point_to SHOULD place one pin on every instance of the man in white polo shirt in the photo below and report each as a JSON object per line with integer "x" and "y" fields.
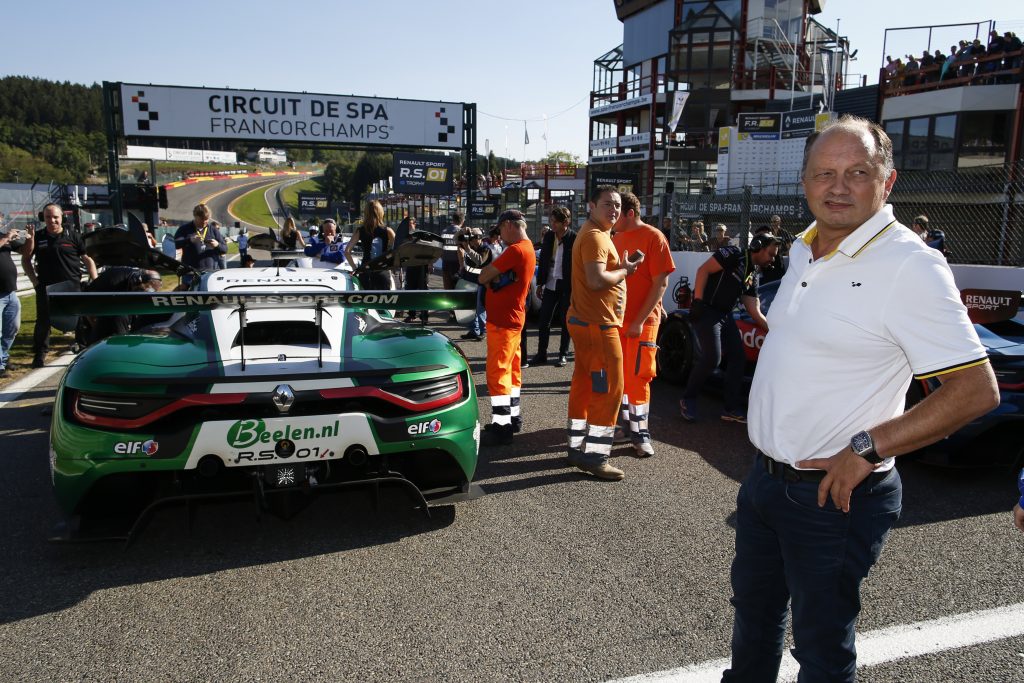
{"x": 864, "y": 307}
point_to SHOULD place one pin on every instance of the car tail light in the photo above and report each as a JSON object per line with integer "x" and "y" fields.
{"x": 422, "y": 395}
{"x": 133, "y": 412}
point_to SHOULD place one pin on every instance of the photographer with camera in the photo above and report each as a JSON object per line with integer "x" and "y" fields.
{"x": 200, "y": 241}
{"x": 728, "y": 276}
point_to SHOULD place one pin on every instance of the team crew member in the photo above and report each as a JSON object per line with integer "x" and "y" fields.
{"x": 554, "y": 277}
{"x": 726, "y": 277}
{"x": 474, "y": 257}
{"x": 116, "y": 279}
{"x": 59, "y": 256}
{"x": 639, "y": 332}
{"x": 595, "y": 314}
{"x": 201, "y": 244}
{"x": 508, "y": 277}
{"x": 864, "y": 307}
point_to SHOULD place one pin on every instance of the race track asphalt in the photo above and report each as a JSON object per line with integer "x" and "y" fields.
{"x": 552, "y": 576}
{"x": 218, "y": 195}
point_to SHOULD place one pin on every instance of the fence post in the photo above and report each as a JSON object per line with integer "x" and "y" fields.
{"x": 744, "y": 236}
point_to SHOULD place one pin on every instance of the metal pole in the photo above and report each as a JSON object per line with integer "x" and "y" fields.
{"x": 111, "y": 91}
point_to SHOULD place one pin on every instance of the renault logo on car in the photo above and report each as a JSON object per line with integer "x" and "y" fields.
{"x": 283, "y": 398}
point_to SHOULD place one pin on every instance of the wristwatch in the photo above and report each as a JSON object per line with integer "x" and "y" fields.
{"x": 862, "y": 444}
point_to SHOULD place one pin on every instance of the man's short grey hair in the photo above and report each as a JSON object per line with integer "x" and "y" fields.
{"x": 857, "y": 126}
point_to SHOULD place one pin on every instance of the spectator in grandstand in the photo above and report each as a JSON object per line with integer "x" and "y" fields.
{"x": 697, "y": 240}
{"x": 666, "y": 228}
{"x": 376, "y": 239}
{"x": 719, "y": 237}
{"x": 200, "y": 241}
{"x": 911, "y": 70}
{"x": 291, "y": 238}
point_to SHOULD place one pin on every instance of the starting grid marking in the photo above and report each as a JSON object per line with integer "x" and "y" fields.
{"x": 880, "y": 646}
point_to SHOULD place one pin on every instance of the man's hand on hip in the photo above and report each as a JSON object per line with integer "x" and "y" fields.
{"x": 844, "y": 470}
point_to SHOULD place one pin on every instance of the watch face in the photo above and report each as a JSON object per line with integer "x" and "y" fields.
{"x": 861, "y": 443}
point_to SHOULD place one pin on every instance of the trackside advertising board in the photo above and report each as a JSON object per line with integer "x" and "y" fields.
{"x": 314, "y": 202}
{"x": 422, "y": 174}
{"x": 177, "y": 112}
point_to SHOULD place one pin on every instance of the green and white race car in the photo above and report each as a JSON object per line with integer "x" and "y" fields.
{"x": 273, "y": 383}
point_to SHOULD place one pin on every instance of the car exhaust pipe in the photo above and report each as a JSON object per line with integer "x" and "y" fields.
{"x": 356, "y": 455}
{"x": 210, "y": 466}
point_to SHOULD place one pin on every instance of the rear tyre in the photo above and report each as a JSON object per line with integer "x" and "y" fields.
{"x": 675, "y": 351}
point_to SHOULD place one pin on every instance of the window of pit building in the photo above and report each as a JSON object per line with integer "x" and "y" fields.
{"x": 983, "y": 138}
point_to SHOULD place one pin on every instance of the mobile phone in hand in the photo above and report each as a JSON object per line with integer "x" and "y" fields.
{"x": 636, "y": 256}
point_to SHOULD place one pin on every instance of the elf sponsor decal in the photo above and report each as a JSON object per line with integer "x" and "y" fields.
{"x": 149, "y": 447}
{"x": 425, "y": 428}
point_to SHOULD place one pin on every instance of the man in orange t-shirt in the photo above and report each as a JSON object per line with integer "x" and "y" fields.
{"x": 595, "y": 314}
{"x": 639, "y": 331}
{"x": 508, "y": 279}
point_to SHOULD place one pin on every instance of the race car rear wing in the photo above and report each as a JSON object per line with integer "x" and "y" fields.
{"x": 146, "y": 303}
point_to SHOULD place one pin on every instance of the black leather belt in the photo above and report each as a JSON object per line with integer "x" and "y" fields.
{"x": 790, "y": 473}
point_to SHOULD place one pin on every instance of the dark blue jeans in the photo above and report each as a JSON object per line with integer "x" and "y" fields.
{"x": 717, "y": 334}
{"x": 551, "y": 302}
{"x": 789, "y": 549}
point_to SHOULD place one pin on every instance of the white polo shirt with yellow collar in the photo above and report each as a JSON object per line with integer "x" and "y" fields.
{"x": 847, "y": 333}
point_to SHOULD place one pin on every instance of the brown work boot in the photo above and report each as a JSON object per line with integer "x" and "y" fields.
{"x": 603, "y": 471}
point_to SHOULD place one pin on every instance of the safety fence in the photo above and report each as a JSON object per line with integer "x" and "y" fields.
{"x": 979, "y": 210}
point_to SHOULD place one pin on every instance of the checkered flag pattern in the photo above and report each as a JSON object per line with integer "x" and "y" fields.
{"x": 145, "y": 115}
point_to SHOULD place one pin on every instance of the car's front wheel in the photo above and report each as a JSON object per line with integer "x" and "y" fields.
{"x": 675, "y": 351}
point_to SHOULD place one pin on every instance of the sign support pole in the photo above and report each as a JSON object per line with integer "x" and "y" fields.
{"x": 111, "y": 103}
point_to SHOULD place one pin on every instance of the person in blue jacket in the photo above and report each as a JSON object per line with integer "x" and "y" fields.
{"x": 1018, "y": 509}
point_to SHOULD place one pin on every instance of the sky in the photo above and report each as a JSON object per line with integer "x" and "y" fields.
{"x": 526, "y": 64}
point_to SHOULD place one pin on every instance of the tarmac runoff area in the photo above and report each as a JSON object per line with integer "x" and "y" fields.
{"x": 879, "y": 647}
{"x": 551, "y": 576}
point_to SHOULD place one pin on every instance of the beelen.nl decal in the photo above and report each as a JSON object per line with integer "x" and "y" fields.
{"x": 149, "y": 447}
{"x": 245, "y": 433}
{"x": 429, "y": 427}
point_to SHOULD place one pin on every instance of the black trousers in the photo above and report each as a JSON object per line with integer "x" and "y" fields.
{"x": 41, "y": 333}
{"x": 553, "y": 302}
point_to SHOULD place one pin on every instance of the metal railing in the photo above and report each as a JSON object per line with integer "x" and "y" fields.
{"x": 980, "y": 210}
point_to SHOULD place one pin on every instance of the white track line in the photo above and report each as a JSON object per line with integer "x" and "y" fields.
{"x": 33, "y": 379}
{"x": 881, "y": 646}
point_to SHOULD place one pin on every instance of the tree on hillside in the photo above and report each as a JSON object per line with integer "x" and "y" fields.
{"x": 336, "y": 179}
{"x": 371, "y": 168}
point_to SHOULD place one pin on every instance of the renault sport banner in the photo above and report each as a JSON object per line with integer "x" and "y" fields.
{"x": 180, "y": 112}
{"x": 422, "y": 174}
